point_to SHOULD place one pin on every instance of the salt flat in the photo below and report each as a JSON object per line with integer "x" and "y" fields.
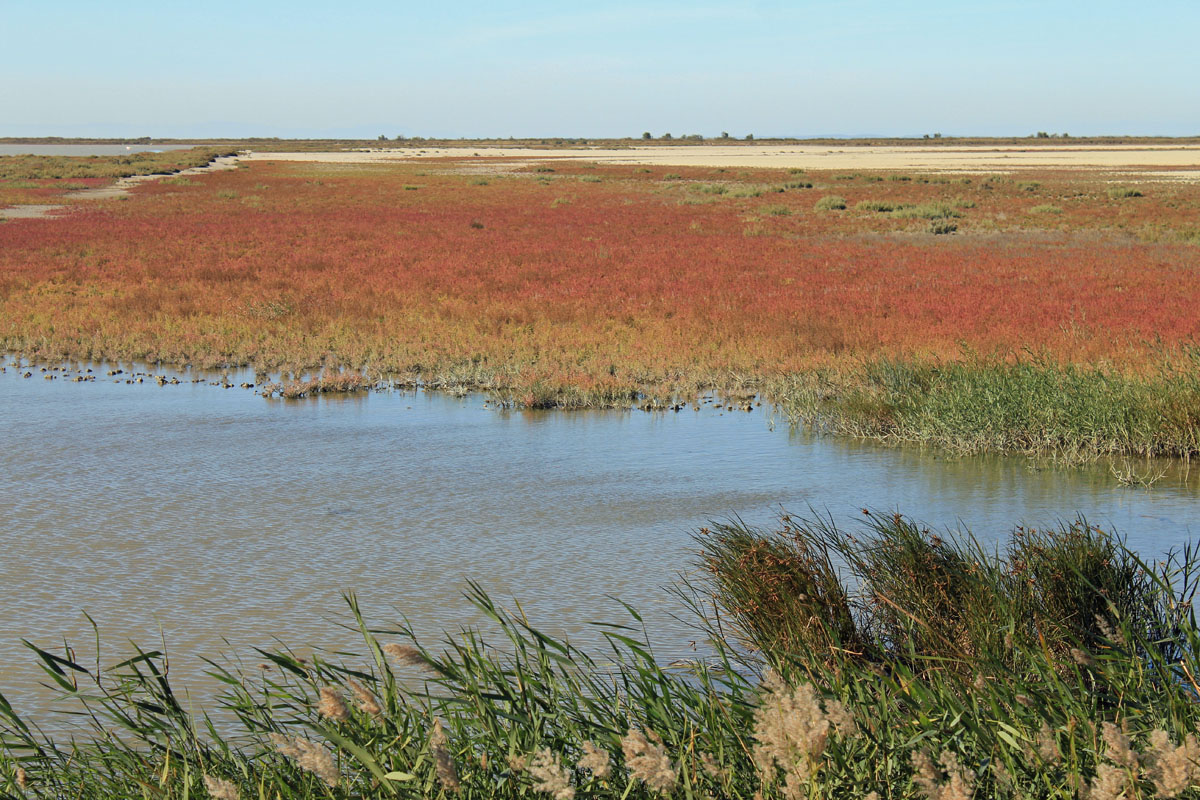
{"x": 1179, "y": 162}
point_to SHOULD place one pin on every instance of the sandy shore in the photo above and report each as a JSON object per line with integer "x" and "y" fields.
{"x": 1153, "y": 162}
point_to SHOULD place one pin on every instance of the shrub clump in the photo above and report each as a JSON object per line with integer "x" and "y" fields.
{"x": 935, "y": 210}
{"x": 830, "y": 202}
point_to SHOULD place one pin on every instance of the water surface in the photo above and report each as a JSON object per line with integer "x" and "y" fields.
{"x": 87, "y": 149}
{"x": 223, "y": 520}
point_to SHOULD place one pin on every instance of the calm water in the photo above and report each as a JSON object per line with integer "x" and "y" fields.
{"x": 225, "y": 520}
{"x": 86, "y": 149}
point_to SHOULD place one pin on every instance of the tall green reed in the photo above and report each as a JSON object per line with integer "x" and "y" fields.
{"x": 888, "y": 661}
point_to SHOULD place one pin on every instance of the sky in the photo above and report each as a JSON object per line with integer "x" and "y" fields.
{"x": 601, "y": 69}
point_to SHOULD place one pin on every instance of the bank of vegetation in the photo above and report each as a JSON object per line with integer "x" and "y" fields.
{"x": 882, "y": 662}
{"x": 1026, "y": 406}
{"x": 948, "y": 309}
{"x": 26, "y": 179}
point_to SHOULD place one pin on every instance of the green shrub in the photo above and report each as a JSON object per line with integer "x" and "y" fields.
{"x": 830, "y": 202}
{"x": 939, "y": 227}
{"x": 874, "y": 205}
{"x": 1046, "y": 209}
{"x": 1123, "y": 192}
{"x": 934, "y": 210}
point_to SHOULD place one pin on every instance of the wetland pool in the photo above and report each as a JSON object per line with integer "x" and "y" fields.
{"x": 87, "y": 149}
{"x": 222, "y": 521}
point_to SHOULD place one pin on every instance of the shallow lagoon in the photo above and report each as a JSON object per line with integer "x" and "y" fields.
{"x": 87, "y": 149}
{"x": 221, "y": 520}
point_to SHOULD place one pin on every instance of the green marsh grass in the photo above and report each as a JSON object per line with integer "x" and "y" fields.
{"x": 934, "y": 210}
{"x": 886, "y": 661}
{"x": 874, "y": 205}
{"x": 1033, "y": 407}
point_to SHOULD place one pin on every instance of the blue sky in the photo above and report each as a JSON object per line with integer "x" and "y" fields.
{"x": 766, "y": 67}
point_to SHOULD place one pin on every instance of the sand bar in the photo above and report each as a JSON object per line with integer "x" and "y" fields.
{"x": 1179, "y": 162}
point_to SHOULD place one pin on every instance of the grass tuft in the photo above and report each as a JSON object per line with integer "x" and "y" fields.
{"x": 830, "y": 202}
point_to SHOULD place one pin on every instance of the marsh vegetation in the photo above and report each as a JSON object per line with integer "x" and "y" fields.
{"x": 888, "y": 661}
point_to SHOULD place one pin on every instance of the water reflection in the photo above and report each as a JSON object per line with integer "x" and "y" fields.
{"x": 217, "y": 515}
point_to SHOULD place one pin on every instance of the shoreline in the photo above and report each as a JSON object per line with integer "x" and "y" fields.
{"x": 856, "y": 403}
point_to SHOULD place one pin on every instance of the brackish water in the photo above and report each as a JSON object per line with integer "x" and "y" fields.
{"x": 86, "y": 149}
{"x": 224, "y": 520}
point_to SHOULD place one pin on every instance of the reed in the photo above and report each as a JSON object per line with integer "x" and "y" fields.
{"x": 920, "y": 665}
{"x": 1018, "y": 406}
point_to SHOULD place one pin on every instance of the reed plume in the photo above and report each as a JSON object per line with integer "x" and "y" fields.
{"x": 596, "y": 760}
{"x": 647, "y": 760}
{"x": 332, "y": 706}
{"x": 309, "y": 756}
{"x": 549, "y": 776}
{"x": 407, "y": 655}
{"x": 363, "y": 698}
{"x": 219, "y": 789}
{"x": 1172, "y": 769}
{"x": 443, "y": 761}
{"x": 791, "y": 731}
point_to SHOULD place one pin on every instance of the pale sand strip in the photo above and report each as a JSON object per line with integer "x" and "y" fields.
{"x": 1115, "y": 158}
